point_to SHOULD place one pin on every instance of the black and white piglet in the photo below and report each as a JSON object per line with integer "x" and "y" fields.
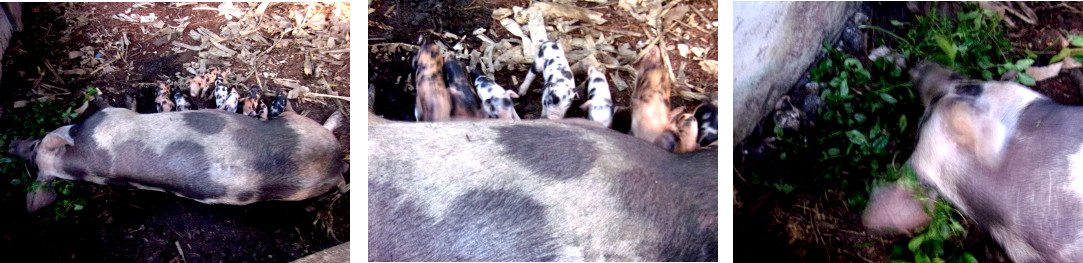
{"x": 495, "y": 100}
{"x": 559, "y": 84}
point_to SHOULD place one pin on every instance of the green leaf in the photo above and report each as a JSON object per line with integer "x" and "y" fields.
{"x": 1025, "y": 79}
{"x": 897, "y": 23}
{"x": 78, "y": 207}
{"x": 888, "y": 98}
{"x": 1075, "y": 40}
{"x": 902, "y": 122}
{"x": 856, "y": 137}
{"x": 915, "y": 243}
{"x": 1060, "y": 55}
{"x": 833, "y": 152}
{"x": 969, "y": 258}
{"x": 948, "y": 48}
{"x": 1023, "y": 63}
{"x": 782, "y": 156}
{"x": 860, "y": 117}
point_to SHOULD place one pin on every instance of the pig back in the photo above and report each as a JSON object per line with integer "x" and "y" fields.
{"x": 539, "y": 190}
{"x": 210, "y": 156}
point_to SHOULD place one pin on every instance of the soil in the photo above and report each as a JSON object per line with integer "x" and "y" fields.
{"x": 119, "y": 224}
{"x": 406, "y": 21}
{"x": 815, "y": 223}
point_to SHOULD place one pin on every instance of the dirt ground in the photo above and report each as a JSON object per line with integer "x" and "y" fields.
{"x": 815, "y": 224}
{"x": 121, "y": 48}
{"x": 394, "y": 24}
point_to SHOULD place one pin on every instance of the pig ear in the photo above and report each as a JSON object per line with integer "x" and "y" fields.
{"x": 511, "y": 93}
{"x": 40, "y": 196}
{"x": 675, "y": 112}
{"x": 57, "y": 138}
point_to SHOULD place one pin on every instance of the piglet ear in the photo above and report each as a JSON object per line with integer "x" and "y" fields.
{"x": 57, "y": 138}
{"x": 39, "y": 198}
{"x": 512, "y": 94}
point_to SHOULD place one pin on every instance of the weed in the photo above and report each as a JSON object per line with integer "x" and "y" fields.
{"x": 41, "y": 118}
{"x": 868, "y": 123}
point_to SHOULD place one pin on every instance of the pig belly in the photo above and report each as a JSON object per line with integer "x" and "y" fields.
{"x": 207, "y": 155}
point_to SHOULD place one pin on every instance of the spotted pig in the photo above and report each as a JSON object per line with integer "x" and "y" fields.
{"x": 707, "y": 116}
{"x": 199, "y": 84}
{"x": 495, "y": 100}
{"x": 651, "y": 119}
{"x": 599, "y": 104}
{"x": 162, "y": 102}
{"x": 433, "y": 101}
{"x": 477, "y": 191}
{"x": 464, "y": 100}
{"x": 202, "y": 155}
{"x": 1008, "y": 157}
{"x": 559, "y": 84}
{"x": 182, "y": 103}
{"x": 253, "y": 105}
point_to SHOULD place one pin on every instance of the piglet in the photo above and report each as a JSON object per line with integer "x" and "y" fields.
{"x": 182, "y": 103}
{"x": 651, "y": 119}
{"x": 599, "y": 103}
{"x": 162, "y": 101}
{"x": 707, "y": 117}
{"x": 433, "y": 101}
{"x": 199, "y": 84}
{"x": 464, "y": 100}
{"x": 202, "y": 155}
{"x": 559, "y": 84}
{"x": 495, "y": 101}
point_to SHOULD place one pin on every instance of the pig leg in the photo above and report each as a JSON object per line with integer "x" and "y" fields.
{"x": 526, "y": 81}
{"x": 333, "y": 122}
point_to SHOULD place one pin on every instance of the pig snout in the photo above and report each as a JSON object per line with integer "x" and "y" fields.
{"x": 23, "y": 148}
{"x": 894, "y": 209}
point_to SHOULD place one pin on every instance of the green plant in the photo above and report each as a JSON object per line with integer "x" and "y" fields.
{"x": 39, "y": 118}
{"x": 941, "y": 240}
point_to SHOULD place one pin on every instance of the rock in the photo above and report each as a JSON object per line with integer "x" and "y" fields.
{"x": 779, "y": 42}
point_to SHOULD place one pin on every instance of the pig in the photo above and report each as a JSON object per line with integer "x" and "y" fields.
{"x": 201, "y": 155}
{"x": 477, "y": 191}
{"x": 599, "y": 104}
{"x": 199, "y": 84}
{"x": 559, "y": 84}
{"x": 495, "y": 100}
{"x": 182, "y": 103}
{"x": 651, "y": 119}
{"x": 464, "y": 100}
{"x": 687, "y": 131}
{"x": 433, "y": 101}
{"x": 707, "y": 116}
{"x": 225, "y": 98}
{"x": 253, "y": 105}
{"x": 162, "y": 101}
{"x": 1009, "y": 158}
{"x": 279, "y": 105}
